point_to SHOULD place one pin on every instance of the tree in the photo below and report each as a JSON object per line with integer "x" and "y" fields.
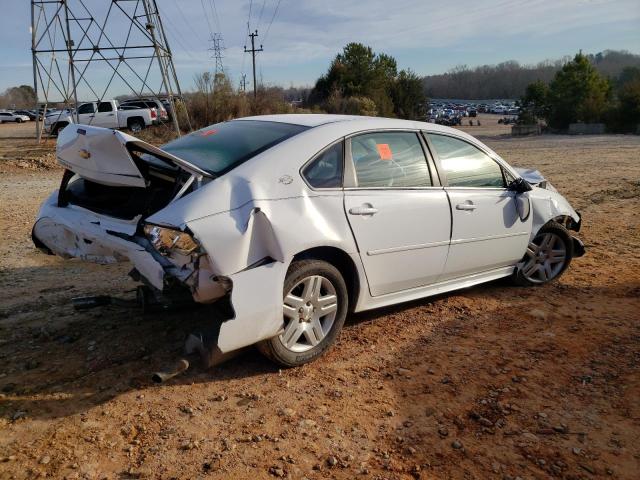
{"x": 578, "y": 93}
{"x": 372, "y": 80}
{"x": 408, "y": 96}
{"x": 534, "y": 103}
{"x": 628, "y": 111}
{"x": 18, "y": 97}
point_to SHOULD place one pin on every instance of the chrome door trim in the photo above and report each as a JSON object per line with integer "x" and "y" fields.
{"x": 420, "y": 246}
{"x": 490, "y": 237}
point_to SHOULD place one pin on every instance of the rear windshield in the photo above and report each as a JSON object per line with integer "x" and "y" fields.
{"x": 223, "y": 146}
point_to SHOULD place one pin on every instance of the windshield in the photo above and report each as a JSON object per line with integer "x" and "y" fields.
{"x": 223, "y": 146}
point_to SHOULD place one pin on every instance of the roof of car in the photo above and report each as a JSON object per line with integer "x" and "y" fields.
{"x": 358, "y": 121}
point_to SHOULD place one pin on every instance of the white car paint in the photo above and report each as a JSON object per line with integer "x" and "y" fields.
{"x": 12, "y": 117}
{"x": 417, "y": 244}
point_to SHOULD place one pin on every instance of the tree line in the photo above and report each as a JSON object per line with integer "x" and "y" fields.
{"x": 510, "y": 79}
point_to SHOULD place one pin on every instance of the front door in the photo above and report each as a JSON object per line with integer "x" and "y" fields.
{"x": 86, "y": 114}
{"x": 487, "y": 230}
{"x": 106, "y": 116}
{"x": 400, "y": 217}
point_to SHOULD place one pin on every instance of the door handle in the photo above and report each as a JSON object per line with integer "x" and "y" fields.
{"x": 466, "y": 206}
{"x": 363, "y": 210}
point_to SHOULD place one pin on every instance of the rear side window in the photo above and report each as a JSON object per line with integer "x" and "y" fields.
{"x": 466, "y": 165}
{"x": 105, "y": 107}
{"x": 221, "y": 147}
{"x": 326, "y": 170}
{"x": 389, "y": 159}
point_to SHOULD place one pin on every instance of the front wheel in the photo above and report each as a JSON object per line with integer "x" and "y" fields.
{"x": 315, "y": 304}
{"x": 548, "y": 256}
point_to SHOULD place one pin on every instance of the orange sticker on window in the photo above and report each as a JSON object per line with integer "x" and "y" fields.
{"x": 384, "y": 151}
{"x": 206, "y": 133}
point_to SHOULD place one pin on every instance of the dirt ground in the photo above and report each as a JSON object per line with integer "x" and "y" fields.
{"x": 494, "y": 381}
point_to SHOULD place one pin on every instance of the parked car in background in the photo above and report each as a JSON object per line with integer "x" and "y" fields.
{"x": 102, "y": 114}
{"x": 27, "y": 113}
{"x": 297, "y": 220}
{"x": 13, "y": 117}
{"x": 161, "y": 111}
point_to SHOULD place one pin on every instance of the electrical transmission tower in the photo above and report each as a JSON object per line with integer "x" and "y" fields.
{"x": 217, "y": 49}
{"x": 84, "y": 51}
{"x": 253, "y": 52}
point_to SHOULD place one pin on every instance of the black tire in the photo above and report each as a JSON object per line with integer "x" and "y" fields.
{"x": 136, "y": 125}
{"x": 19, "y": 120}
{"x": 58, "y": 128}
{"x": 274, "y": 348}
{"x": 557, "y": 230}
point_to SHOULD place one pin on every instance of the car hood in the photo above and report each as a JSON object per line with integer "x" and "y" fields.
{"x": 535, "y": 178}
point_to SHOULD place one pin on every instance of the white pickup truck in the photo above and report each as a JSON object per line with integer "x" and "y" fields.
{"x": 103, "y": 114}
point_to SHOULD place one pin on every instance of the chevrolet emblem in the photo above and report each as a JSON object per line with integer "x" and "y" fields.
{"x": 84, "y": 153}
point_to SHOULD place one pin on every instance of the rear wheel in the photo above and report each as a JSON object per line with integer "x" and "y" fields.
{"x": 58, "y": 128}
{"x": 548, "y": 256}
{"x": 136, "y": 125}
{"x": 315, "y": 304}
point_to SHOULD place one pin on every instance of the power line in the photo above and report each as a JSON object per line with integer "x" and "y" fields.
{"x": 261, "y": 12}
{"x": 204, "y": 10}
{"x": 214, "y": 10}
{"x": 275, "y": 12}
{"x": 186, "y": 23}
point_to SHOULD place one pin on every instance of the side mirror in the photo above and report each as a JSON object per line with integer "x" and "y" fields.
{"x": 519, "y": 185}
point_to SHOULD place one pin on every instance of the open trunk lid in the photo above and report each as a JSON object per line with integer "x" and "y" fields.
{"x": 103, "y": 156}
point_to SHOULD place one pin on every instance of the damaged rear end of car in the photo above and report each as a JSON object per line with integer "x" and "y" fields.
{"x": 107, "y": 191}
{"x": 124, "y": 200}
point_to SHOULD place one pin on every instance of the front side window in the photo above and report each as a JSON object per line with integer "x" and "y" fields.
{"x": 219, "y": 148}
{"x": 389, "y": 159}
{"x": 465, "y": 165}
{"x": 86, "y": 108}
{"x": 326, "y": 170}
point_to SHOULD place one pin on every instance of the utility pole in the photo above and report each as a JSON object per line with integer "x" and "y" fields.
{"x": 243, "y": 82}
{"x": 253, "y": 52}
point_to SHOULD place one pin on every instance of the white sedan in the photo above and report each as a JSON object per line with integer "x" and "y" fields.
{"x": 297, "y": 220}
{"x": 13, "y": 117}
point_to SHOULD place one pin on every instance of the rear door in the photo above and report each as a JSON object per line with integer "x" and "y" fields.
{"x": 487, "y": 231}
{"x": 398, "y": 212}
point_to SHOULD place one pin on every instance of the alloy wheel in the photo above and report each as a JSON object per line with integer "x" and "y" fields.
{"x": 309, "y": 310}
{"x": 545, "y": 258}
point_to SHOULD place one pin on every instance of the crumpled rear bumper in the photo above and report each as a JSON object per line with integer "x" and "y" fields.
{"x": 256, "y": 293}
{"x": 77, "y": 233}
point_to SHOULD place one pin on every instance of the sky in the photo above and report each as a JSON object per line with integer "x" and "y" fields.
{"x": 301, "y": 37}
